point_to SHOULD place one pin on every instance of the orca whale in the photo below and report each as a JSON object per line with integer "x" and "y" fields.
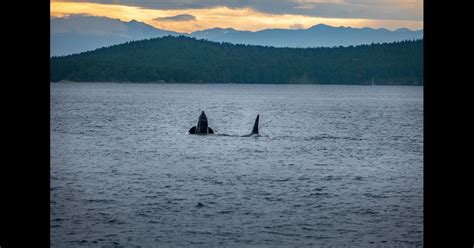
{"x": 201, "y": 126}
{"x": 254, "y": 129}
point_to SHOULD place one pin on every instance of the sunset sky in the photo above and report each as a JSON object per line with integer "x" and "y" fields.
{"x": 192, "y": 15}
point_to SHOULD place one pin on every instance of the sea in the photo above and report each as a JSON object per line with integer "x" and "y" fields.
{"x": 333, "y": 166}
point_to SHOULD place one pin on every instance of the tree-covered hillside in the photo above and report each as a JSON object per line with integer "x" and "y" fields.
{"x": 183, "y": 59}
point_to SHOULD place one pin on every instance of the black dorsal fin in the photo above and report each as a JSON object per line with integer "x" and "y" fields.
{"x": 255, "y": 126}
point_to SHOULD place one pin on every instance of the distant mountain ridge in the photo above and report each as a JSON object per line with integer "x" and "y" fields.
{"x": 320, "y": 35}
{"x": 79, "y": 33}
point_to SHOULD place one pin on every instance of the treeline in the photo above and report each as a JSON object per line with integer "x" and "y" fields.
{"x": 183, "y": 59}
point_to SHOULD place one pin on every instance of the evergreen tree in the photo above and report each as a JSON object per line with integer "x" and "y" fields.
{"x": 182, "y": 59}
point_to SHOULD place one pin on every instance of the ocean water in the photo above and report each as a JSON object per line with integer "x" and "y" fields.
{"x": 333, "y": 166}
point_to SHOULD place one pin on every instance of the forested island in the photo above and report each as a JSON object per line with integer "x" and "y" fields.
{"x": 188, "y": 60}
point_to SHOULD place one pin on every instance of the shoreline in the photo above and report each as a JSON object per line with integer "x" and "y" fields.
{"x": 204, "y": 83}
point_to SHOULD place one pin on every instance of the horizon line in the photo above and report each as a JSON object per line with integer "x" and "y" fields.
{"x": 240, "y": 30}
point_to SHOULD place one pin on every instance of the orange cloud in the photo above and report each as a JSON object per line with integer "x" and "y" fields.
{"x": 223, "y": 17}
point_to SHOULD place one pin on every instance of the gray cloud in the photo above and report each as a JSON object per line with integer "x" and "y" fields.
{"x": 176, "y": 18}
{"x": 410, "y": 10}
{"x": 85, "y": 24}
{"x": 360, "y": 9}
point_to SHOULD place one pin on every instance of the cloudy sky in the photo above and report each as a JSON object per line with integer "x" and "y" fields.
{"x": 191, "y": 15}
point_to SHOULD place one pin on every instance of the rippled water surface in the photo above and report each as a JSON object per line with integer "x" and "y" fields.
{"x": 334, "y": 165}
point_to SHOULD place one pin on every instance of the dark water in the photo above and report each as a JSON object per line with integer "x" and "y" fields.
{"x": 334, "y": 166}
